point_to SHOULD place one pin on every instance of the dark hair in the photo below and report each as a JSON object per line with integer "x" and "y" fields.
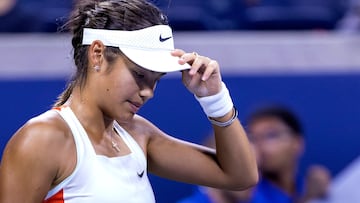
{"x": 105, "y": 14}
{"x": 279, "y": 112}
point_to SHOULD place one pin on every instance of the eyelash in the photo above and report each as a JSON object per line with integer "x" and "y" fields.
{"x": 139, "y": 75}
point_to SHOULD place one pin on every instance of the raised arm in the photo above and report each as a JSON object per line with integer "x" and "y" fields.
{"x": 233, "y": 164}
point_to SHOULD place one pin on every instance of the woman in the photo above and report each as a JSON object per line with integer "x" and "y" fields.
{"x": 93, "y": 147}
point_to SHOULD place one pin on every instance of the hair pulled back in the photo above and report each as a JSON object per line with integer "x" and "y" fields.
{"x": 104, "y": 14}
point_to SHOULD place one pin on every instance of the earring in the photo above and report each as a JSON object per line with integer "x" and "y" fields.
{"x": 97, "y": 68}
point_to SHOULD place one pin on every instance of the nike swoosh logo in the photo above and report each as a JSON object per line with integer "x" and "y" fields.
{"x": 161, "y": 39}
{"x": 140, "y": 174}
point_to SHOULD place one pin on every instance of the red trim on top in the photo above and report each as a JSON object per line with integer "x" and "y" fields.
{"x": 57, "y": 108}
{"x": 57, "y": 198}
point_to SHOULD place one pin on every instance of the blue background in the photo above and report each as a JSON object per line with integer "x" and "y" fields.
{"x": 327, "y": 105}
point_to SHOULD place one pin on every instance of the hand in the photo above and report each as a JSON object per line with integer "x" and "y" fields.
{"x": 317, "y": 182}
{"x": 203, "y": 78}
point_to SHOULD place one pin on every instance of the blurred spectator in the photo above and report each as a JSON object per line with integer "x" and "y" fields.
{"x": 351, "y": 21}
{"x": 277, "y": 137}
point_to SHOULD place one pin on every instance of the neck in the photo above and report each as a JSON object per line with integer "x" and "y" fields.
{"x": 284, "y": 179}
{"x": 89, "y": 114}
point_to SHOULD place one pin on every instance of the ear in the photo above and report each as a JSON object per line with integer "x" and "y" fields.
{"x": 96, "y": 53}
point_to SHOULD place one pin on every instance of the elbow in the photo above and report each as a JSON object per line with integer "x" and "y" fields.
{"x": 252, "y": 177}
{"x": 251, "y": 180}
{"x": 246, "y": 181}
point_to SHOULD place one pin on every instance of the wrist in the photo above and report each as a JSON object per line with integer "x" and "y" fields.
{"x": 219, "y": 108}
{"x": 226, "y": 120}
{"x": 218, "y": 105}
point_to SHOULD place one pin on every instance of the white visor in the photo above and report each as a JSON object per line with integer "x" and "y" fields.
{"x": 149, "y": 47}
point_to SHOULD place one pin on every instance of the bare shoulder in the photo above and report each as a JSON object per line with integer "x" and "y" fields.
{"x": 40, "y": 138}
{"x": 39, "y": 156}
{"x": 47, "y": 128}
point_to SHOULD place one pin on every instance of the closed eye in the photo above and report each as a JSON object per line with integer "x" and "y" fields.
{"x": 138, "y": 75}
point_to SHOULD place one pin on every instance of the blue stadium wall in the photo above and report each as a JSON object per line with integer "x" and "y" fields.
{"x": 326, "y": 103}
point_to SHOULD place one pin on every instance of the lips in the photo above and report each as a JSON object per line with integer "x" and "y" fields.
{"x": 135, "y": 106}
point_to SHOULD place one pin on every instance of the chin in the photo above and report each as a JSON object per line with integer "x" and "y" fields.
{"x": 125, "y": 119}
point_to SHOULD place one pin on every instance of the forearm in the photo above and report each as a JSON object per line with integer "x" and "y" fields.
{"x": 234, "y": 154}
{"x": 235, "y": 164}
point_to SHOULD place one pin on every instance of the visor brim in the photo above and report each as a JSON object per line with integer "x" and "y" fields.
{"x": 155, "y": 60}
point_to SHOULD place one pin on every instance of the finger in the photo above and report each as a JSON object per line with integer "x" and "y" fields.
{"x": 188, "y": 58}
{"x": 196, "y": 65}
{"x": 194, "y": 81}
{"x": 189, "y": 80}
{"x": 211, "y": 68}
{"x": 199, "y": 65}
{"x": 178, "y": 52}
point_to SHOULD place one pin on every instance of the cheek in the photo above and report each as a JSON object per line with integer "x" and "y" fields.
{"x": 119, "y": 87}
{"x": 273, "y": 153}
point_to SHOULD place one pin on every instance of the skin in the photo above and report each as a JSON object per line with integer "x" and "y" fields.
{"x": 225, "y": 196}
{"x": 42, "y": 153}
{"x": 317, "y": 182}
{"x": 278, "y": 150}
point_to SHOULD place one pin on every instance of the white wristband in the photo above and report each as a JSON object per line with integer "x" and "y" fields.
{"x": 217, "y": 105}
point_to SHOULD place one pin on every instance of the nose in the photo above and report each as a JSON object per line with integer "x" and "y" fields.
{"x": 147, "y": 92}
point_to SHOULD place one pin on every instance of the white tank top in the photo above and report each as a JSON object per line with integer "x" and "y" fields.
{"x": 100, "y": 179}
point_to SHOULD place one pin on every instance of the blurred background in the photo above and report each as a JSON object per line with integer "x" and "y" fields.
{"x": 304, "y": 54}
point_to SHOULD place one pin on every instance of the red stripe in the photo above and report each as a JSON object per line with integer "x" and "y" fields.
{"x": 57, "y": 198}
{"x": 57, "y": 108}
